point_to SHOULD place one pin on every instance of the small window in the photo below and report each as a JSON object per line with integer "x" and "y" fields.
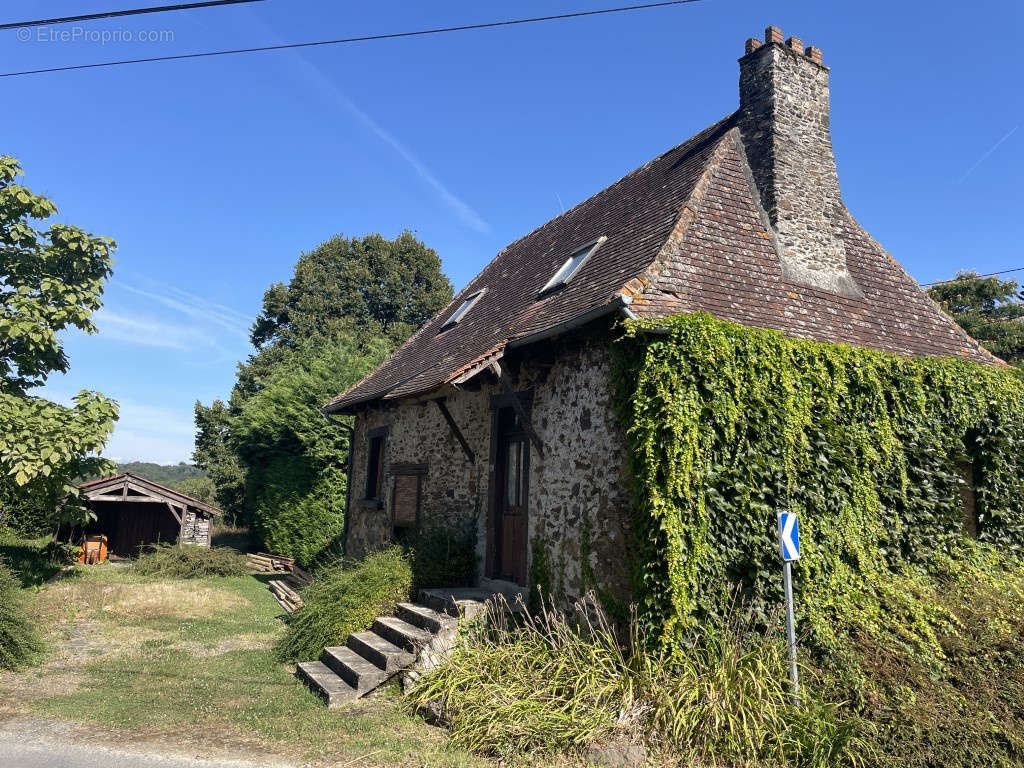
{"x": 375, "y": 466}
{"x": 460, "y": 313}
{"x": 572, "y": 265}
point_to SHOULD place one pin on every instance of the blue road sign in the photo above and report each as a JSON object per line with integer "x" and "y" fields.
{"x": 789, "y": 536}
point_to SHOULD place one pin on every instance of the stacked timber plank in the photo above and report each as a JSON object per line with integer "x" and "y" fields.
{"x": 285, "y": 589}
{"x": 261, "y": 561}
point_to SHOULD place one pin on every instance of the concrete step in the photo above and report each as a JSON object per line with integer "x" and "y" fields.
{"x": 360, "y": 673}
{"x": 424, "y": 618}
{"x": 401, "y": 633}
{"x": 383, "y": 654}
{"x": 324, "y": 682}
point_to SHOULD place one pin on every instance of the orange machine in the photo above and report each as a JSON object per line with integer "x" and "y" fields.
{"x": 93, "y": 549}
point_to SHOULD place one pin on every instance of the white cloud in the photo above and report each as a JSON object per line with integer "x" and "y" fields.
{"x": 198, "y": 308}
{"x": 129, "y": 445}
{"x": 142, "y": 330}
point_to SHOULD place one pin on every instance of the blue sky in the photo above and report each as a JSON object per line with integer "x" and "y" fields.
{"x": 215, "y": 174}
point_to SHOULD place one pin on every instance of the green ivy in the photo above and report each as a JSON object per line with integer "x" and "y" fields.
{"x": 727, "y": 425}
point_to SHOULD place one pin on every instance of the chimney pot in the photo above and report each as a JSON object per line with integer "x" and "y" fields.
{"x": 795, "y": 44}
{"x": 752, "y": 45}
{"x": 773, "y": 34}
{"x": 814, "y": 54}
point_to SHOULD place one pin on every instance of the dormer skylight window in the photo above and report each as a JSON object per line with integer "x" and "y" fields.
{"x": 572, "y": 265}
{"x": 460, "y": 313}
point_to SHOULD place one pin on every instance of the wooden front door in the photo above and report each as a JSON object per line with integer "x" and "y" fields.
{"x": 511, "y": 487}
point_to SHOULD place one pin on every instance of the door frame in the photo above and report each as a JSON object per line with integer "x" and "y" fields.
{"x": 492, "y": 566}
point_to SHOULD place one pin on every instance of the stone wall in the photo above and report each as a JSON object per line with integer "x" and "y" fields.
{"x": 578, "y": 494}
{"x": 784, "y": 119}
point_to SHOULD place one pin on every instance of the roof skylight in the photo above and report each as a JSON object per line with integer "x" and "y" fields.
{"x": 572, "y": 265}
{"x": 460, "y": 313}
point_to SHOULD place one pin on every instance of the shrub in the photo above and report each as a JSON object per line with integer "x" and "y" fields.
{"x": 443, "y": 556}
{"x": 20, "y": 645}
{"x": 550, "y": 685}
{"x": 345, "y": 598}
{"x": 190, "y": 561}
{"x": 33, "y": 560}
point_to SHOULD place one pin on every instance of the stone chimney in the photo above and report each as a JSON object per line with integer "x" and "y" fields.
{"x": 784, "y": 122}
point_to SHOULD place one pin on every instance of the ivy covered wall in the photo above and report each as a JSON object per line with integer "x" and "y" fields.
{"x": 728, "y": 425}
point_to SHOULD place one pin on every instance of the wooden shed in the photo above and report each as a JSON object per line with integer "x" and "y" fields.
{"x": 132, "y": 511}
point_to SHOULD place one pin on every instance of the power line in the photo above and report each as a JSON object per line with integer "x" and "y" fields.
{"x": 344, "y": 40}
{"x": 115, "y": 14}
{"x": 989, "y": 274}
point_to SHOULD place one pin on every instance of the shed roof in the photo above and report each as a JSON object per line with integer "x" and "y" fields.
{"x": 133, "y": 486}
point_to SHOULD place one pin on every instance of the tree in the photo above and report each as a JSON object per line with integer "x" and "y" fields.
{"x": 363, "y": 292}
{"x": 198, "y": 488}
{"x": 989, "y": 309}
{"x": 50, "y": 280}
{"x": 214, "y": 454}
{"x": 294, "y": 457}
{"x": 366, "y": 287}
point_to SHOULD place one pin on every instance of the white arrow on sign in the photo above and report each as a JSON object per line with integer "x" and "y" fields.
{"x": 789, "y": 536}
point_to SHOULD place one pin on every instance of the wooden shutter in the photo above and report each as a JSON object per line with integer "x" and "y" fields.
{"x": 407, "y": 498}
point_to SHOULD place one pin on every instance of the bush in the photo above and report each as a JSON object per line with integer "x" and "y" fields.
{"x": 443, "y": 556}
{"x": 344, "y": 599}
{"x": 32, "y": 560}
{"x": 190, "y": 561}
{"x": 551, "y": 686}
{"x": 20, "y": 645}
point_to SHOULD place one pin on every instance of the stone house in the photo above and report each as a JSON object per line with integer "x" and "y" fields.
{"x": 499, "y": 410}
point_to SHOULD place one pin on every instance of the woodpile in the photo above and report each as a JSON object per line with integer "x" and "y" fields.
{"x": 284, "y": 589}
{"x": 261, "y": 561}
{"x": 286, "y": 596}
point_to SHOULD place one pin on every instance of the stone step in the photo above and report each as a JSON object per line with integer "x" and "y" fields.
{"x": 360, "y": 673}
{"x": 380, "y": 652}
{"x": 423, "y": 617}
{"x": 326, "y": 683}
{"x": 401, "y": 633}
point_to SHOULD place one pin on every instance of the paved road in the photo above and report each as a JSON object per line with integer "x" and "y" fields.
{"x": 42, "y": 743}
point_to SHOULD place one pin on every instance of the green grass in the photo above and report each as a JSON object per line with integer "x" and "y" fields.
{"x": 169, "y": 652}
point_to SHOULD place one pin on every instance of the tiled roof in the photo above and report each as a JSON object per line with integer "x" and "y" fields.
{"x": 108, "y": 484}
{"x": 636, "y": 214}
{"x": 684, "y": 232}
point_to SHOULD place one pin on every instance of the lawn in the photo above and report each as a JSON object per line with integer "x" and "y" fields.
{"x": 150, "y": 657}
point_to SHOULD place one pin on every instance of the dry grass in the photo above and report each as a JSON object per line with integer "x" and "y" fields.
{"x": 166, "y": 598}
{"x": 110, "y": 629}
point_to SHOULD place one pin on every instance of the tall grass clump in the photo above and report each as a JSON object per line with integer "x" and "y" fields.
{"x": 190, "y": 561}
{"x": 345, "y": 598}
{"x": 20, "y": 644}
{"x": 546, "y": 684}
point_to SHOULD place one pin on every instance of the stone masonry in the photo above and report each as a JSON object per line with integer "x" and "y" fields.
{"x": 784, "y": 120}
{"x": 578, "y": 497}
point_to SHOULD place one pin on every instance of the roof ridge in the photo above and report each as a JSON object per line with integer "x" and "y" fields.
{"x": 710, "y": 129}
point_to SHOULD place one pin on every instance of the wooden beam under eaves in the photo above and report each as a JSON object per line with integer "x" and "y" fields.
{"x": 517, "y": 406}
{"x": 441, "y": 406}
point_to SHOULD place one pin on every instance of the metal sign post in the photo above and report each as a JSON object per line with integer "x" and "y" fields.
{"x": 789, "y": 548}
